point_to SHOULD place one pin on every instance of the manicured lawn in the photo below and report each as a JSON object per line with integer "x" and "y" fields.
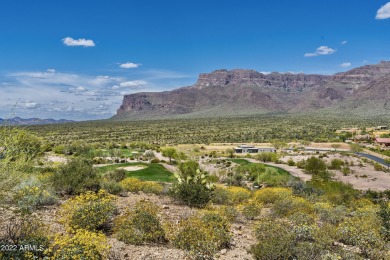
{"x": 246, "y": 162}
{"x": 239, "y": 161}
{"x": 151, "y": 172}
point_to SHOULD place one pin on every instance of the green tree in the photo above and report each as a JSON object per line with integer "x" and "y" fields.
{"x": 169, "y": 152}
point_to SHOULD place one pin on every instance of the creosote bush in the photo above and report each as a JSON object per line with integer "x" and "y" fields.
{"x": 90, "y": 211}
{"x": 202, "y": 235}
{"x": 230, "y": 195}
{"x": 140, "y": 225}
{"x": 136, "y": 185}
{"x": 83, "y": 244}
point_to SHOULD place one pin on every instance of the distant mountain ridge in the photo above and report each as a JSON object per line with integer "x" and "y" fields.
{"x": 362, "y": 91}
{"x": 32, "y": 121}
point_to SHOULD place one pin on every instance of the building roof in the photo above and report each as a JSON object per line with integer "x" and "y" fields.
{"x": 383, "y": 140}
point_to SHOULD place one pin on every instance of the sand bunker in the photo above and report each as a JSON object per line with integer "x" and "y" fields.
{"x": 132, "y": 168}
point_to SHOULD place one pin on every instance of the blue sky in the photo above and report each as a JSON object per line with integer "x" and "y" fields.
{"x": 76, "y": 59}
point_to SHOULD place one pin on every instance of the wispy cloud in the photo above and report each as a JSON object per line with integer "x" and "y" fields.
{"x": 129, "y": 65}
{"x": 133, "y": 84}
{"x": 346, "y": 64}
{"x": 383, "y": 12}
{"x": 322, "y": 50}
{"x": 344, "y": 42}
{"x": 69, "y": 41}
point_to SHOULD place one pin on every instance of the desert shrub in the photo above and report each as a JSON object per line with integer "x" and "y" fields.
{"x": 315, "y": 165}
{"x": 29, "y": 198}
{"x": 362, "y": 231}
{"x": 290, "y": 162}
{"x": 116, "y": 175}
{"x": 112, "y": 187}
{"x": 251, "y": 209}
{"x": 141, "y": 225}
{"x": 345, "y": 170}
{"x": 275, "y": 240}
{"x": 270, "y": 195}
{"x": 302, "y": 218}
{"x": 290, "y": 204}
{"x": 75, "y": 177}
{"x": 83, "y": 244}
{"x": 152, "y": 187}
{"x": 90, "y": 211}
{"x": 329, "y": 213}
{"x": 378, "y": 167}
{"x": 267, "y": 157}
{"x": 336, "y": 164}
{"x": 384, "y": 215}
{"x": 202, "y": 235}
{"x": 336, "y": 192}
{"x": 301, "y": 164}
{"x": 131, "y": 184}
{"x": 136, "y": 185}
{"x": 192, "y": 185}
{"x": 230, "y": 195}
{"x": 155, "y": 160}
{"x": 22, "y": 231}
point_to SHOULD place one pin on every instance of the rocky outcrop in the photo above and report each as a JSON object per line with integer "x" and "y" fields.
{"x": 241, "y": 92}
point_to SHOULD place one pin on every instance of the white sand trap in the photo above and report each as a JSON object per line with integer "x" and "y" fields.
{"x": 132, "y": 168}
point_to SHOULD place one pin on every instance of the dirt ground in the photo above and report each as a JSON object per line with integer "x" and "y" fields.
{"x": 242, "y": 235}
{"x": 361, "y": 177}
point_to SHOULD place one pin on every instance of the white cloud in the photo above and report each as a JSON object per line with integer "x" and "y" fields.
{"x": 68, "y": 41}
{"x": 344, "y": 42}
{"x": 346, "y": 64}
{"x": 383, "y": 12}
{"x": 133, "y": 84}
{"x": 51, "y": 70}
{"x": 322, "y": 50}
{"x": 129, "y": 65}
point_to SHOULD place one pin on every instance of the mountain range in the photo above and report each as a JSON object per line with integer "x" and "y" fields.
{"x": 32, "y": 121}
{"x": 362, "y": 91}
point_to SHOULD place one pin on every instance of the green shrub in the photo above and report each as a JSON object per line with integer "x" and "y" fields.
{"x": 112, "y": 187}
{"x": 378, "y": 167}
{"x": 329, "y": 213}
{"x": 140, "y": 226}
{"x": 193, "y": 186}
{"x": 290, "y": 162}
{"x": 116, "y": 175}
{"x": 75, "y": 177}
{"x": 290, "y": 205}
{"x": 275, "y": 240}
{"x": 336, "y": 164}
{"x": 267, "y": 157}
{"x": 90, "y": 211}
{"x": 202, "y": 236}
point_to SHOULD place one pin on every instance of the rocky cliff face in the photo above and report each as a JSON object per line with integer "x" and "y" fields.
{"x": 241, "y": 92}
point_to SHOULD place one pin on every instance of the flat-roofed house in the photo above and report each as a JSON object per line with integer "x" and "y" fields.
{"x": 385, "y": 142}
{"x": 253, "y": 149}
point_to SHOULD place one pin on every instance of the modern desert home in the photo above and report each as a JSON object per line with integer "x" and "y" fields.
{"x": 385, "y": 142}
{"x": 253, "y": 149}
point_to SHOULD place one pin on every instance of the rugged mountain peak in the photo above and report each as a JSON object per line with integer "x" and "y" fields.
{"x": 363, "y": 90}
{"x": 242, "y": 77}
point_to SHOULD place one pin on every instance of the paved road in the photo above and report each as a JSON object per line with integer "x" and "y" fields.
{"x": 373, "y": 157}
